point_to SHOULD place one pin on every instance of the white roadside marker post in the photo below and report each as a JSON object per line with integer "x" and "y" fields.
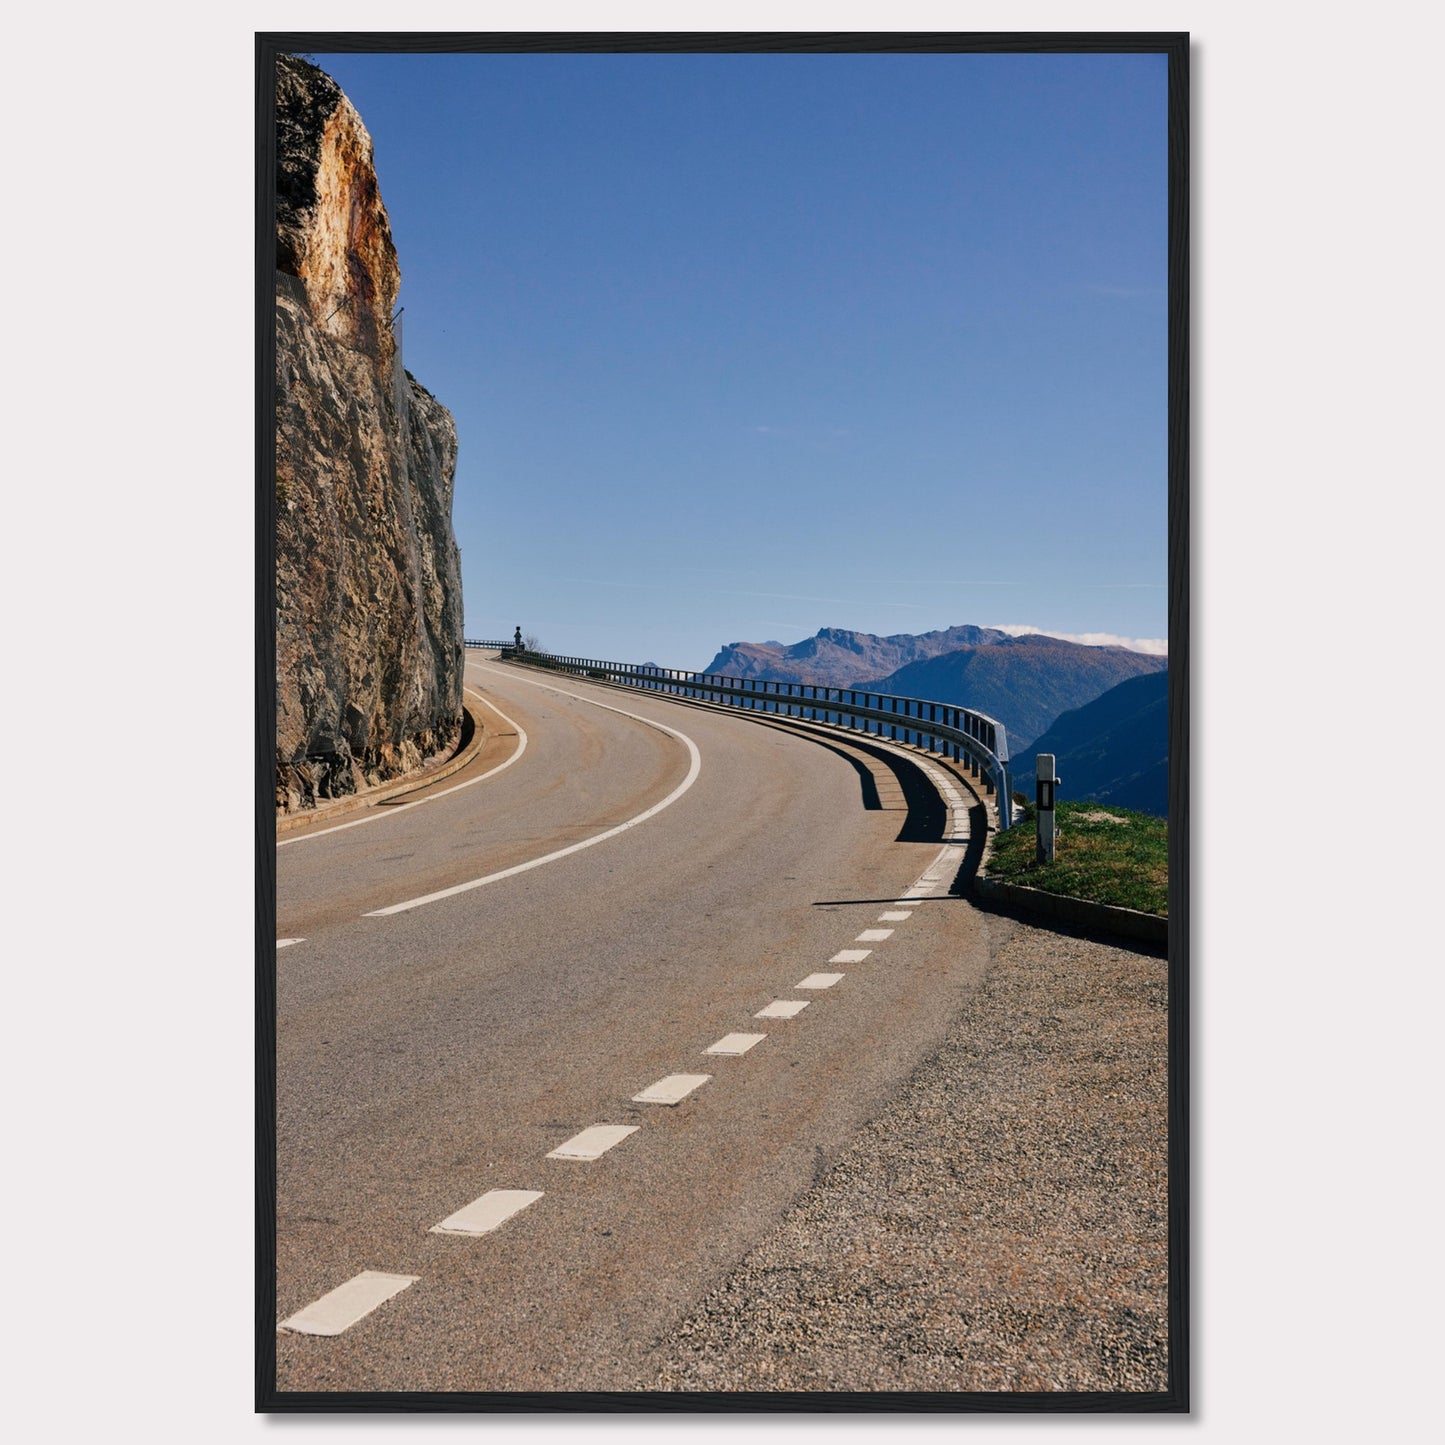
{"x": 1046, "y": 779}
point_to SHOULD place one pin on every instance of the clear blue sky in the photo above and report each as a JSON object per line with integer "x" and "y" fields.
{"x": 741, "y": 346}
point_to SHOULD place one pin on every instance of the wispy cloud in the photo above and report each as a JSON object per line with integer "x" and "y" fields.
{"x": 1154, "y": 646}
{"x": 805, "y": 433}
{"x": 1125, "y": 292}
{"x": 785, "y": 596}
{"x": 674, "y": 587}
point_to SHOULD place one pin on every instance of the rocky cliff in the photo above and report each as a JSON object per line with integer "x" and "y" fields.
{"x": 368, "y": 577}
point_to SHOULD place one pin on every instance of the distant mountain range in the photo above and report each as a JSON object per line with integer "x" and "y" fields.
{"x": 1025, "y": 682}
{"x": 837, "y": 657}
{"x": 1113, "y": 750}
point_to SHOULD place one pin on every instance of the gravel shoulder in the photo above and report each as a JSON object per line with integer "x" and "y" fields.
{"x": 1001, "y": 1226}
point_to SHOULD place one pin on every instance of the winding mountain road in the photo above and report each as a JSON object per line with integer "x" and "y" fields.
{"x": 614, "y": 886}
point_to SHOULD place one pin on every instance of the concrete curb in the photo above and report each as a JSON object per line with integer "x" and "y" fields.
{"x": 1125, "y": 922}
{"x": 411, "y": 783}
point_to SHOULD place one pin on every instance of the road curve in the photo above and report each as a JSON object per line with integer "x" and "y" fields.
{"x": 429, "y": 1057}
{"x": 585, "y": 771}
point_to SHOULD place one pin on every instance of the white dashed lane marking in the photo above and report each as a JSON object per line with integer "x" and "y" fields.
{"x": 672, "y": 1089}
{"x": 344, "y": 1306}
{"x": 782, "y": 1008}
{"x": 347, "y": 1303}
{"x": 489, "y": 1212}
{"x": 735, "y": 1043}
{"x": 594, "y": 1142}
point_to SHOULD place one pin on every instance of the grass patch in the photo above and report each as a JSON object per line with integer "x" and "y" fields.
{"x": 1104, "y": 854}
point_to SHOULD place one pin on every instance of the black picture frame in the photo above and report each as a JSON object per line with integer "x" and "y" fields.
{"x": 1176, "y": 1398}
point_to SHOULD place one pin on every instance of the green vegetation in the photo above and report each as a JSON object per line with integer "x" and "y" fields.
{"x": 1104, "y": 854}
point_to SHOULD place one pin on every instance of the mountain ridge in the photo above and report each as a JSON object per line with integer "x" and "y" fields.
{"x": 1024, "y": 681}
{"x": 840, "y": 656}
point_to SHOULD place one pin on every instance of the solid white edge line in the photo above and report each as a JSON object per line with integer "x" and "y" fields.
{"x": 287, "y": 942}
{"x": 431, "y": 797}
{"x": 694, "y": 768}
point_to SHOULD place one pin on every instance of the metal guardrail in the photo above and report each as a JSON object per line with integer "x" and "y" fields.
{"x": 971, "y": 737}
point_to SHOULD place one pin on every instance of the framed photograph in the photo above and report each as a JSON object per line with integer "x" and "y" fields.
{"x": 666, "y": 1004}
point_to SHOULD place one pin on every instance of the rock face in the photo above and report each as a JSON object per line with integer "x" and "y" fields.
{"x": 368, "y": 577}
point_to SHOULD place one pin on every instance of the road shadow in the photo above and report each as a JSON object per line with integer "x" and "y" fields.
{"x": 927, "y": 814}
{"x": 867, "y": 783}
{"x": 962, "y": 885}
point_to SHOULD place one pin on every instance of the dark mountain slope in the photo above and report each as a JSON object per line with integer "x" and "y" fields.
{"x": 1024, "y": 682}
{"x": 1113, "y": 750}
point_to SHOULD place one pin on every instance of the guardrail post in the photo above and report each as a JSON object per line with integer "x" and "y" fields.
{"x": 1046, "y": 780}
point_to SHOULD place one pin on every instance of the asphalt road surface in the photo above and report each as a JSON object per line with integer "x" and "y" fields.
{"x": 430, "y": 1056}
